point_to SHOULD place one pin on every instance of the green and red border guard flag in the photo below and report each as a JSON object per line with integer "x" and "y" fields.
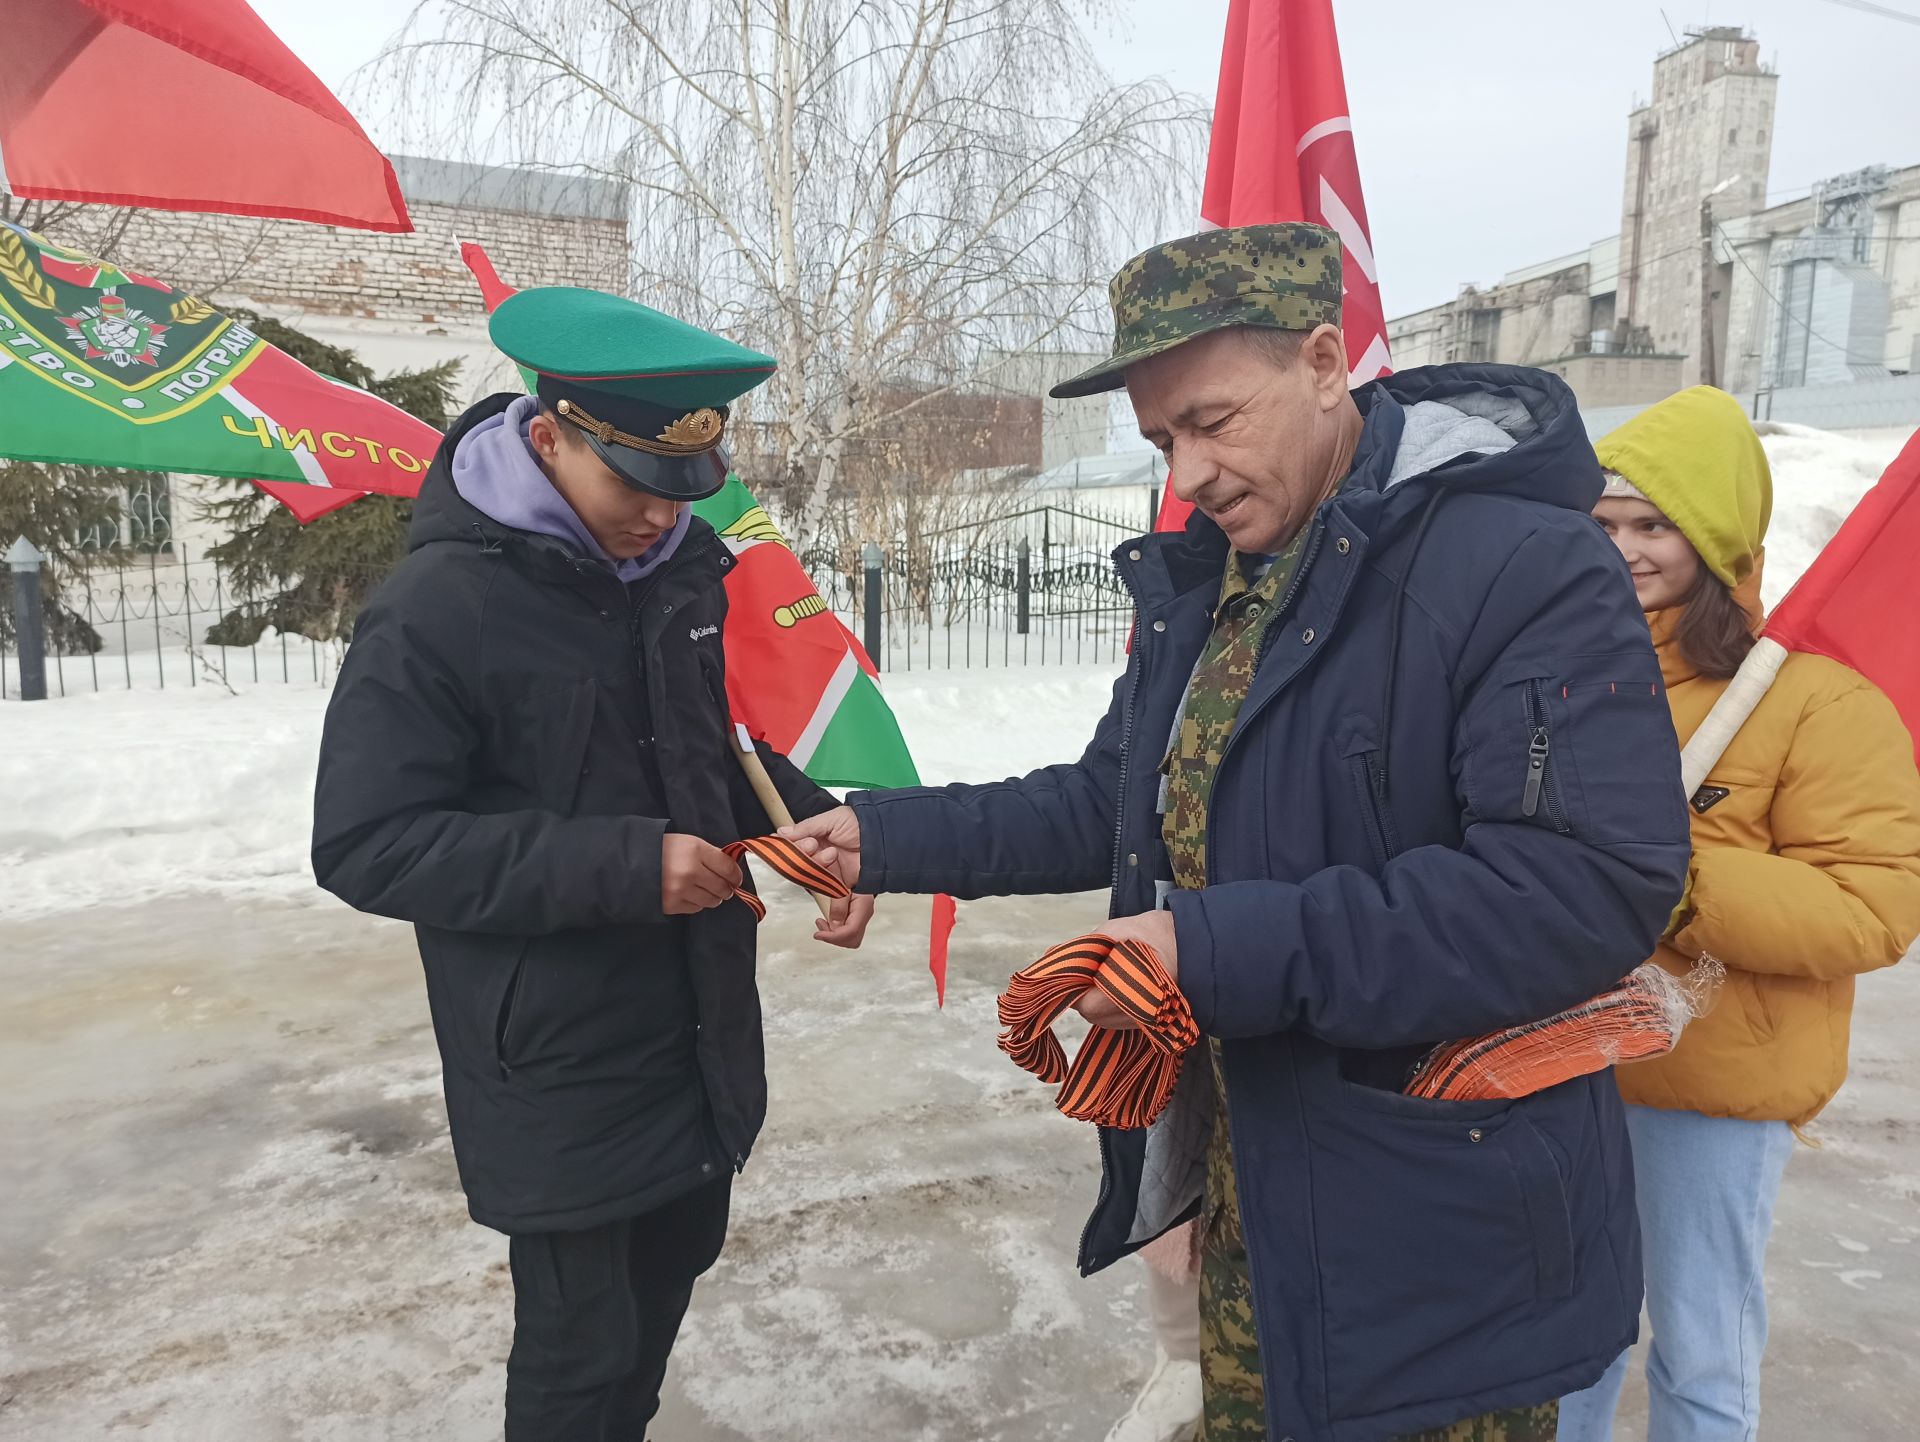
{"x": 1282, "y": 149}
{"x": 179, "y": 105}
{"x": 796, "y": 677}
{"x": 104, "y": 366}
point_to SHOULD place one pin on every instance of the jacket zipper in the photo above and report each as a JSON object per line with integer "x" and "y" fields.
{"x": 1136, "y": 668}
{"x": 1366, "y": 783}
{"x": 636, "y": 609}
{"x": 1539, "y": 785}
{"x": 511, "y": 1013}
{"x": 638, "y": 603}
{"x": 1240, "y": 728}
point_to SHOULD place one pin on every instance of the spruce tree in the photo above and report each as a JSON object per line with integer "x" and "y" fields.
{"x": 65, "y": 511}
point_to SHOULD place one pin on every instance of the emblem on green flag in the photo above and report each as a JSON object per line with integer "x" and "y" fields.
{"x": 144, "y": 355}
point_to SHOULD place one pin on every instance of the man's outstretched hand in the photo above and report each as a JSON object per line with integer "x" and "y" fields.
{"x": 833, "y": 839}
{"x": 1155, "y": 928}
{"x": 847, "y": 926}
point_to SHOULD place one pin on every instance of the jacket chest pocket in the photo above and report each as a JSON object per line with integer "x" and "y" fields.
{"x": 1358, "y": 741}
{"x": 1549, "y": 730}
{"x": 540, "y": 742}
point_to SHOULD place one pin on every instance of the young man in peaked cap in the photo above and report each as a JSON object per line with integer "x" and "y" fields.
{"x": 528, "y": 756}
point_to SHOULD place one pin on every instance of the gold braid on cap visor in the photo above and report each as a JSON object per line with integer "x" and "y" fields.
{"x": 694, "y": 434}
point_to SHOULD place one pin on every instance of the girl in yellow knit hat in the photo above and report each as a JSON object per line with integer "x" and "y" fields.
{"x": 1806, "y": 873}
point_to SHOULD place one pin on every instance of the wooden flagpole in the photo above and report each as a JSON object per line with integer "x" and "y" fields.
{"x": 769, "y": 795}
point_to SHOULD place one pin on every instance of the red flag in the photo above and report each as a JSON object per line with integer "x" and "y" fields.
{"x": 493, "y": 290}
{"x": 1854, "y": 602}
{"x": 180, "y": 105}
{"x": 944, "y": 916}
{"x": 1283, "y": 150}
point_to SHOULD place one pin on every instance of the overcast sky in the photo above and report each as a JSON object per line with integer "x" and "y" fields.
{"x": 1491, "y": 133}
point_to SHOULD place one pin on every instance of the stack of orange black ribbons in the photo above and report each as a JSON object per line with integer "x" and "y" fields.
{"x": 1118, "y": 1078}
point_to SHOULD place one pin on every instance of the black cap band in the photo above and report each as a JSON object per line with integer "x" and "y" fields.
{"x": 688, "y": 477}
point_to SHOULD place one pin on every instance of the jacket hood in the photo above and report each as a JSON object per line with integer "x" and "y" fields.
{"x": 1696, "y": 457}
{"x": 440, "y": 512}
{"x": 494, "y": 469}
{"x": 1507, "y": 430}
{"x": 1549, "y": 458}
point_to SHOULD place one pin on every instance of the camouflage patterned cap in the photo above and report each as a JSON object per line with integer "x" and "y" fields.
{"x": 1283, "y": 277}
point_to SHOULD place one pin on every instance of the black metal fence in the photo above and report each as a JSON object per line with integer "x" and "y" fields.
{"x": 1038, "y": 588}
{"x": 157, "y": 625}
{"x": 1034, "y": 588}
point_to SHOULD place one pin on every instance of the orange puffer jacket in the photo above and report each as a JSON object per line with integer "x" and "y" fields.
{"x": 1805, "y": 874}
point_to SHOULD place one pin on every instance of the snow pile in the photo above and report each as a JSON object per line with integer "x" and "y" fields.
{"x": 126, "y": 796}
{"x": 1818, "y": 477}
{"x": 988, "y": 725}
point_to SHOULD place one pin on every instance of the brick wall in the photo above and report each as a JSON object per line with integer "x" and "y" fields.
{"x": 414, "y": 279}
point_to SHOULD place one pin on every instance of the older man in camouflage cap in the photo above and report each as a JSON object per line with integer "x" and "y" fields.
{"x": 1389, "y": 765}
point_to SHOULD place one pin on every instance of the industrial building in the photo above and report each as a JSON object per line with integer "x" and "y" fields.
{"x": 1706, "y": 282}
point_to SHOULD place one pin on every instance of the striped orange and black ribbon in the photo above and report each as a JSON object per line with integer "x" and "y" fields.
{"x": 792, "y": 863}
{"x": 1118, "y": 1078}
{"x": 1625, "y": 1024}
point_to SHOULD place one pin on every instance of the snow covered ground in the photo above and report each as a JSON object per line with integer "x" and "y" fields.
{"x": 126, "y": 797}
{"x": 230, "y": 1211}
{"x": 1817, "y": 479}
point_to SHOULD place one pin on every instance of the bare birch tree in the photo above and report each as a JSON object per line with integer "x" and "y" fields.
{"x": 874, "y": 191}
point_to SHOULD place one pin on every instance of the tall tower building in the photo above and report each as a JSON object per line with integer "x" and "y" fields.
{"x": 1704, "y": 140}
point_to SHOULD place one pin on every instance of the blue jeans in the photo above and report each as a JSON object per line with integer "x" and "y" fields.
{"x": 1706, "y": 1186}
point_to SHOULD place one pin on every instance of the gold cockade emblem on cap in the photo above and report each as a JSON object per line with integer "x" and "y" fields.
{"x": 696, "y": 428}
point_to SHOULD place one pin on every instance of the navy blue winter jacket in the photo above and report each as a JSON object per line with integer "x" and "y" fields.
{"x": 1381, "y": 878}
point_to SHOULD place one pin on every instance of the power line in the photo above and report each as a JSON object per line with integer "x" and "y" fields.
{"x": 1886, "y": 12}
{"x": 1785, "y": 309}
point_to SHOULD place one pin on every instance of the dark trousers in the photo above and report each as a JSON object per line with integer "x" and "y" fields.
{"x": 595, "y": 1314}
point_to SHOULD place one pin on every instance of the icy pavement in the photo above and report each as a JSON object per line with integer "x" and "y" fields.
{"x": 232, "y": 1215}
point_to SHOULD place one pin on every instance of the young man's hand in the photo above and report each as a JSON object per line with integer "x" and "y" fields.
{"x": 832, "y": 838}
{"x": 848, "y": 925}
{"x": 1155, "y": 928}
{"x": 695, "y": 875}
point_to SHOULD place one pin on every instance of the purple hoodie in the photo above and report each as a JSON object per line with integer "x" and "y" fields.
{"x": 495, "y": 472}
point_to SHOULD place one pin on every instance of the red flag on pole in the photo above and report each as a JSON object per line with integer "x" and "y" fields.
{"x": 1855, "y": 601}
{"x": 89, "y": 90}
{"x": 1283, "y": 150}
{"x": 945, "y": 913}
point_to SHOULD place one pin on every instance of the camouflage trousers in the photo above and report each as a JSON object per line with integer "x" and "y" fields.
{"x": 1235, "y": 1396}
